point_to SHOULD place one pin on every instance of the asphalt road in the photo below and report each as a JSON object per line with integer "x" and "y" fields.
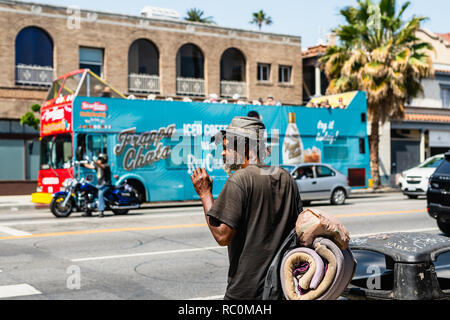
{"x": 160, "y": 253}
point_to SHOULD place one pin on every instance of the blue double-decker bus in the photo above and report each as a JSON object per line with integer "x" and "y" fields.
{"x": 156, "y": 144}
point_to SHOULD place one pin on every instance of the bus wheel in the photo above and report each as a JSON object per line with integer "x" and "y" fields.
{"x": 57, "y": 208}
{"x": 138, "y": 190}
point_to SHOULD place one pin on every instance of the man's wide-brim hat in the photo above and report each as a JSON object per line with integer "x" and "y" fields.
{"x": 247, "y": 127}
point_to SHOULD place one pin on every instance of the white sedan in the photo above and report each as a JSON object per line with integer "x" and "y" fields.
{"x": 414, "y": 181}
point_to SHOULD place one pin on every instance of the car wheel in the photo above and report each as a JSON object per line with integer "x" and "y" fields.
{"x": 338, "y": 196}
{"x": 444, "y": 226}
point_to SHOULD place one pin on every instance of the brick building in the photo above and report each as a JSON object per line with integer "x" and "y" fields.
{"x": 137, "y": 55}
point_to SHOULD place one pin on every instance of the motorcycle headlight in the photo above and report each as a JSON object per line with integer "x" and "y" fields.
{"x": 66, "y": 183}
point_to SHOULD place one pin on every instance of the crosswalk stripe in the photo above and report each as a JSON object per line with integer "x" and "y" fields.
{"x": 13, "y": 232}
{"x": 17, "y": 290}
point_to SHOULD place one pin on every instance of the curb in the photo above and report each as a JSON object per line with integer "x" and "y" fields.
{"x": 17, "y": 207}
{"x": 372, "y": 191}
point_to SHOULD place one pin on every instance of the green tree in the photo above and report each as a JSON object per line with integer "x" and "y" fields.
{"x": 30, "y": 119}
{"x": 197, "y": 15}
{"x": 380, "y": 54}
{"x": 259, "y": 18}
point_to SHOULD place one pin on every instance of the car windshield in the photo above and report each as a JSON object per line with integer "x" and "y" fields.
{"x": 432, "y": 163}
{"x": 444, "y": 168}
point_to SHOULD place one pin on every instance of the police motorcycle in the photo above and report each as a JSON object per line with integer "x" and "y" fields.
{"x": 78, "y": 194}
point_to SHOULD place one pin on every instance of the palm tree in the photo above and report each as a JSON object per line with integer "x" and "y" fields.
{"x": 378, "y": 53}
{"x": 196, "y": 15}
{"x": 261, "y": 18}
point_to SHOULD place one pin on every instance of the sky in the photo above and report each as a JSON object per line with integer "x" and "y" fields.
{"x": 309, "y": 19}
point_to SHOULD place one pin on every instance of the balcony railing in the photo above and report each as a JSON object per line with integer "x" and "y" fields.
{"x": 34, "y": 75}
{"x": 229, "y": 88}
{"x": 190, "y": 87}
{"x": 144, "y": 83}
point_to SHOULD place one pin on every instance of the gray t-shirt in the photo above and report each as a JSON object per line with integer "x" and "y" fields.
{"x": 262, "y": 208}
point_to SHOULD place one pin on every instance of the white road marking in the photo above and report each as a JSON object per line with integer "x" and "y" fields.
{"x": 12, "y": 231}
{"x": 133, "y": 255}
{"x": 18, "y": 290}
{"x": 145, "y": 254}
{"x": 79, "y": 219}
{"x": 208, "y": 298}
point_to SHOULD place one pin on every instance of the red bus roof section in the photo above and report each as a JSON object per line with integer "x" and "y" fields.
{"x": 71, "y": 73}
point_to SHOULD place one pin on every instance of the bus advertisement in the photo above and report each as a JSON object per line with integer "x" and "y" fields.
{"x": 155, "y": 145}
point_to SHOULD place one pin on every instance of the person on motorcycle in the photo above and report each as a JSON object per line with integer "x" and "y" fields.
{"x": 103, "y": 179}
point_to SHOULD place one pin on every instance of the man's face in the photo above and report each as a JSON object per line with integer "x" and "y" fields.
{"x": 232, "y": 160}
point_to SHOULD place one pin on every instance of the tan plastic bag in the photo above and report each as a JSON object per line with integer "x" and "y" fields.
{"x": 312, "y": 223}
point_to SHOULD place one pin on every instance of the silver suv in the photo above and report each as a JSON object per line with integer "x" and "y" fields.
{"x": 318, "y": 181}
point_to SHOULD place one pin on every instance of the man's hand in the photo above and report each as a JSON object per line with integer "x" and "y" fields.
{"x": 202, "y": 182}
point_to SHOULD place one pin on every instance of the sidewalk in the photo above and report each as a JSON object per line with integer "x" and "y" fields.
{"x": 16, "y": 203}
{"x": 372, "y": 191}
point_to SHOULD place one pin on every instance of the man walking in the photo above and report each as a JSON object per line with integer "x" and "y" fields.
{"x": 255, "y": 211}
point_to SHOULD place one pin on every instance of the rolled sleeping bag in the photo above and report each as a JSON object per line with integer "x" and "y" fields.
{"x": 346, "y": 265}
{"x": 320, "y": 274}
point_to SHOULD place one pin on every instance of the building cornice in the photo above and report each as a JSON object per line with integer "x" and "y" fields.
{"x": 146, "y": 23}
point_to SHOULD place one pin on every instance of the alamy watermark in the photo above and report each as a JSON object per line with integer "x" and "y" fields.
{"x": 73, "y": 281}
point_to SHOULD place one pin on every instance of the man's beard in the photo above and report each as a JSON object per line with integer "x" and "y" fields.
{"x": 230, "y": 168}
{"x": 232, "y": 165}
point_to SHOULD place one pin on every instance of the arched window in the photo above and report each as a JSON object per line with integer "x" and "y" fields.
{"x": 232, "y": 65}
{"x": 232, "y": 74}
{"x": 190, "y": 62}
{"x": 190, "y": 71}
{"x": 34, "y": 57}
{"x": 143, "y": 67}
{"x": 143, "y": 58}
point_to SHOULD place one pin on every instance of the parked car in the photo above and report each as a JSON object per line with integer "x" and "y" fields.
{"x": 438, "y": 195}
{"x": 317, "y": 181}
{"x": 414, "y": 181}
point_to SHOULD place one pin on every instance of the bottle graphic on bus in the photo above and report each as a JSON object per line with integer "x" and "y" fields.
{"x": 292, "y": 145}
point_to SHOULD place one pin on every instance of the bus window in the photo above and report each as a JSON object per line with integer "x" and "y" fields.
{"x": 81, "y": 147}
{"x": 56, "y": 152}
{"x": 53, "y": 92}
{"x": 96, "y": 144}
{"x": 71, "y": 84}
{"x": 97, "y": 88}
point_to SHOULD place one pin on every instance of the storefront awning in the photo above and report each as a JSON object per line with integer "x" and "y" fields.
{"x": 427, "y": 117}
